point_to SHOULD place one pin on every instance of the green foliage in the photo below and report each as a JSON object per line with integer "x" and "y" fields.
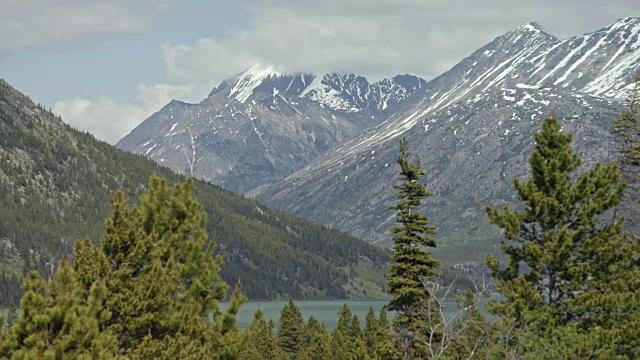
{"x": 346, "y": 338}
{"x": 12, "y": 315}
{"x": 562, "y": 342}
{"x": 579, "y": 270}
{"x": 161, "y": 278}
{"x": 60, "y": 320}
{"x": 263, "y": 343}
{"x": 411, "y": 264}
{"x": 469, "y": 335}
{"x": 372, "y": 332}
{"x": 290, "y": 329}
{"x": 316, "y": 342}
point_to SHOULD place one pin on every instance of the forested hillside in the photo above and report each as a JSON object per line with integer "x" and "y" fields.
{"x": 55, "y": 188}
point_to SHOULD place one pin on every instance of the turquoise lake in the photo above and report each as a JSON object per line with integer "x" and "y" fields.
{"x": 323, "y": 310}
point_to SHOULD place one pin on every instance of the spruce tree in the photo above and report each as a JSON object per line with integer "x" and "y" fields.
{"x": 290, "y": 329}
{"x": 384, "y": 321}
{"x": 371, "y": 332}
{"x": 340, "y": 344}
{"x": 263, "y": 343}
{"x": 566, "y": 265}
{"x": 412, "y": 265}
{"x": 346, "y": 338}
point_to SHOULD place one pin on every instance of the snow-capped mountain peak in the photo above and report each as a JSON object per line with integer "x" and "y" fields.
{"x": 623, "y": 23}
{"x": 532, "y": 28}
{"x": 341, "y": 92}
{"x": 246, "y": 82}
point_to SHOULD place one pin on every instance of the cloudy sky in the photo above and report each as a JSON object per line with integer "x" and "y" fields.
{"x": 106, "y": 65}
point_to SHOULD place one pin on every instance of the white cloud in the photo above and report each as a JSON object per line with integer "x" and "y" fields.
{"x": 375, "y": 38}
{"x": 26, "y": 24}
{"x": 110, "y": 120}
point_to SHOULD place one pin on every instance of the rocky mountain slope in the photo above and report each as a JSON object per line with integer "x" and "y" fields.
{"x": 262, "y": 125}
{"x": 56, "y": 184}
{"x": 472, "y": 129}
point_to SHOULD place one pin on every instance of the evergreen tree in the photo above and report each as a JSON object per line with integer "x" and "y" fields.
{"x": 346, "y": 340}
{"x": 384, "y": 321}
{"x": 161, "y": 278}
{"x": 469, "y": 334}
{"x": 60, "y": 320}
{"x": 316, "y": 342}
{"x": 263, "y": 343}
{"x": 358, "y": 346}
{"x": 371, "y": 332}
{"x": 384, "y": 347}
{"x": 12, "y": 314}
{"x": 340, "y": 344}
{"x": 412, "y": 265}
{"x": 290, "y": 329}
{"x": 566, "y": 266}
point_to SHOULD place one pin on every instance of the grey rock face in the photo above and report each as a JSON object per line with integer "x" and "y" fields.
{"x": 261, "y": 126}
{"x": 472, "y": 128}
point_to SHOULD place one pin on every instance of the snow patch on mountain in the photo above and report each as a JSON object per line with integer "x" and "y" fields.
{"x": 324, "y": 94}
{"x": 246, "y": 82}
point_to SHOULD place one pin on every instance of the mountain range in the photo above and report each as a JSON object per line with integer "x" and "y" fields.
{"x": 261, "y": 126}
{"x": 323, "y": 146}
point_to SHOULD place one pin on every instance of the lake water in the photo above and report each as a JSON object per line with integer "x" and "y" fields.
{"x": 323, "y": 310}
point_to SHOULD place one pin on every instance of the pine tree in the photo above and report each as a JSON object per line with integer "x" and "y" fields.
{"x": 290, "y": 329}
{"x": 566, "y": 266}
{"x": 12, "y": 315}
{"x": 412, "y": 265}
{"x": 60, "y": 320}
{"x": 162, "y": 278}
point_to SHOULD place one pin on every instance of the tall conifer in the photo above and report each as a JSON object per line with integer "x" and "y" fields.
{"x": 290, "y": 329}
{"x": 412, "y": 265}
